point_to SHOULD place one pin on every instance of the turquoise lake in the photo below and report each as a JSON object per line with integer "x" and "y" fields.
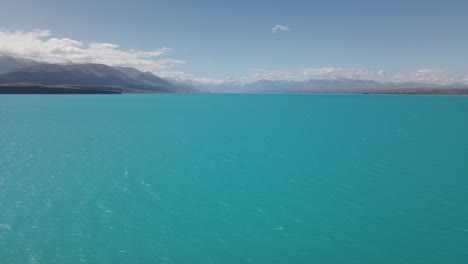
{"x": 205, "y": 178}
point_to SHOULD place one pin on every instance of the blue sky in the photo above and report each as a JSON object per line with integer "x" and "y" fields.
{"x": 218, "y": 39}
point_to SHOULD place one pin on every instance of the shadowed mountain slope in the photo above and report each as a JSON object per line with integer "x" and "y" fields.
{"x": 9, "y": 63}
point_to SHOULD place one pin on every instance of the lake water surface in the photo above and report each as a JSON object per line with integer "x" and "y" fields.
{"x": 198, "y": 178}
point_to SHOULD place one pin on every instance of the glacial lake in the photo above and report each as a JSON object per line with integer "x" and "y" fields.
{"x": 218, "y": 178}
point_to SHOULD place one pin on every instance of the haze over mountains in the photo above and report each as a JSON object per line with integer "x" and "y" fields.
{"x": 19, "y": 75}
{"x": 340, "y": 85}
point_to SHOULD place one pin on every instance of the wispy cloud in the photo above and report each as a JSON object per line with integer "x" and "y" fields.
{"x": 278, "y": 28}
{"x": 41, "y": 45}
{"x": 422, "y": 76}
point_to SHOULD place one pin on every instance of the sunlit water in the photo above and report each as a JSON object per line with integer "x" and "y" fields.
{"x": 233, "y": 179}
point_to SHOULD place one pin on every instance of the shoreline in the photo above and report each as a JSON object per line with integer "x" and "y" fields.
{"x": 96, "y": 89}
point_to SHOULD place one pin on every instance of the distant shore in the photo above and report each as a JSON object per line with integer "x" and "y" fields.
{"x": 422, "y": 91}
{"x": 67, "y": 89}
{"x": 74, "y": 89}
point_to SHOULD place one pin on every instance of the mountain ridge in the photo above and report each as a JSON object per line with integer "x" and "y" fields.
{"x": 10, "y": 63}
{"x": 99, "y": 76}
{"x": 93, "y": 77}
{"x": 339, "y": 85}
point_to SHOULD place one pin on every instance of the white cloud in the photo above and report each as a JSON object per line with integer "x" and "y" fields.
{"x": 40, "y": 45}
{"x": 422, "y": 76}
{"x": 278, "y": 28}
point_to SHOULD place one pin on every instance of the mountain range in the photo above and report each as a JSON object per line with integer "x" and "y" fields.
{"x": 18, "y": 75}
{"x": 28, "y": 75}
{"x": 340, "y": 85}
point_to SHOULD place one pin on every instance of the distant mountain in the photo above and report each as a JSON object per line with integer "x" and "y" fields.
{"x": 341, "y": 85}
{"x": 266, "y": 86}
{"x": 76, "y": 74}
{"x": 19, "y": 75}
{"x": 98, "y": 76}
{"x": 148, "y": 78}
{"x": 9, "y": 63}
{"x": 129, "y": 71}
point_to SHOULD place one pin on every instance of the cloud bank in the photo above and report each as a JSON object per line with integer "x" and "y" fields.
{"x": 40, "y": 45}
{"x": 420, "y": 76}
{"x": 279, "y": 28}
